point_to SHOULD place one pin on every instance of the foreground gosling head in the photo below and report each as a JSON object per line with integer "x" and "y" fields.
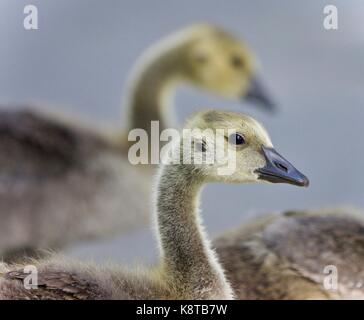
{"x": 222, "y": 64}
{"x": 232, "y": 147}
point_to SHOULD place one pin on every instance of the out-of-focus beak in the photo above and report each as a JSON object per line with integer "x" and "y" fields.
{"x": 279, "y": 170}
{"x": 258, "y": 95}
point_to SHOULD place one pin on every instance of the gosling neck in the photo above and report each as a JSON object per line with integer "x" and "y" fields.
{"x": 151, "y": 91}
{"x": 187, "y": 258}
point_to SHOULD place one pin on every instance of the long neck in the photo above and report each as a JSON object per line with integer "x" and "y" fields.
{"x": 150, "y": 91}
{"x": 187, "y": 257}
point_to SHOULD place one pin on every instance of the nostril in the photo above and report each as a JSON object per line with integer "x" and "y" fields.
{"x": 281, "y": 166}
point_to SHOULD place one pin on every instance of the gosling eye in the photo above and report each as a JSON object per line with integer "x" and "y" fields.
{"x": 237, "y": 62}
{"x": 236, "y": 139}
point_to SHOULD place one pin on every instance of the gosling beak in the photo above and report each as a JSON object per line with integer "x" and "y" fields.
{"x": 258, "y": 95}
{"x": 279, "y": 170}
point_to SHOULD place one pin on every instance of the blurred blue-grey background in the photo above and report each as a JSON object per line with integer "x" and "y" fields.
{"x": 80, "y": 58}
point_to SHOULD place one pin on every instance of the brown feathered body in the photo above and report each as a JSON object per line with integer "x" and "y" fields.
{"x": 297, "y": 255}
{"x": 59, "y": 279}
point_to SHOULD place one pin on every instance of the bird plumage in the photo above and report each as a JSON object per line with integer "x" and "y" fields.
{"x": 289, "y": 255}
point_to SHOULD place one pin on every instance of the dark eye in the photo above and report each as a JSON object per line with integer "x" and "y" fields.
{"x": 237, "y": 61}
{"x": 236, "y": 139}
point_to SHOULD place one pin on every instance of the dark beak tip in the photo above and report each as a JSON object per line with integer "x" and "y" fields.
{"x": 273, "y": 108}
{"x": 305, "y": 182}
{"x": 264, "y": 104}
{"x": 259, "y": 96}
{"x": 302, "y": 181}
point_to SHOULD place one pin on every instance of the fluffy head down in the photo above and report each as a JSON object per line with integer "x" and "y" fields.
{"x": 217, "y": 61}
{"x": 204, "y": 55}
